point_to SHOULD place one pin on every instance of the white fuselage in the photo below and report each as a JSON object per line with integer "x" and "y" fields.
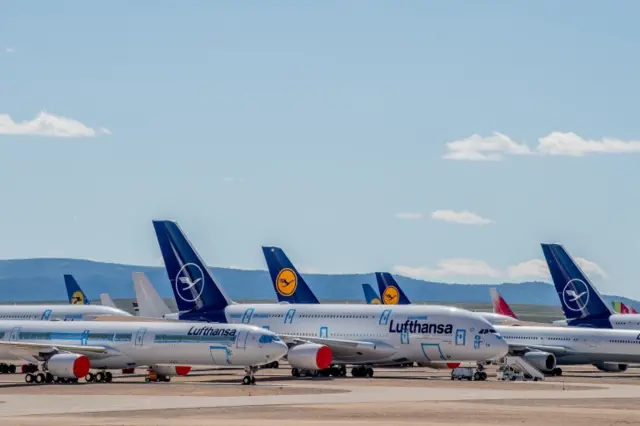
{"x": 583, "y": 345}
{"x": 413, "y": 332}
{"x": 625, "y": 321}
{"x": 57, "y": 312}
{"x": 132, "y": 344}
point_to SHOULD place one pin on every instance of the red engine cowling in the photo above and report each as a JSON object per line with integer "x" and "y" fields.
{"x": 310, "y": 356}
{"x": 171, "y": 370}
{"x": 68, "y": 366}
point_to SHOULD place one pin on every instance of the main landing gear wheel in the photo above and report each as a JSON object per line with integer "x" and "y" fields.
{"x": 28, "y": 378}
{"x": 90, "y": 378}
{"x": 363, "y": 371}
{"x": 295, "y": 372}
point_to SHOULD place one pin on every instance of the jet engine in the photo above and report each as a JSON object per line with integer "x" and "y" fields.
{"x": 611, "y": 367}
{"x": 171, "y": 370}
{"x": 543, "y": 361}
{"x": 310, "y": 356}
{"x": 68, "y": 366}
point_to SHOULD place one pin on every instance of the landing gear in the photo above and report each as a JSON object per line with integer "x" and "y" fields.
{"x": 46, "y": 377}
{"x": 29, "y": 368}
{"x": 556, "y": 371}
{"x": 362, "y": 371}
{"x": 99, "y": 377}
{"x": 7, "y": 368}
{"x": 250, "y": 378}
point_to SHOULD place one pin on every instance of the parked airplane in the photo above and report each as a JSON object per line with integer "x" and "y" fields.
{"x": 67, "y": 350}
{"x": 500, "y": 306}
{"x": 106, "y": 300}
{"x": 392, "y": 292}
{"x": 75, "y": 293}
{"x": 622, "y": 308}
{"x": 546, "y": 347}
{"x": 582, "y": 304}
{"x": 370, "y": 295}
{"x": 150, "y": 304}
{"x": 322, "y": 335}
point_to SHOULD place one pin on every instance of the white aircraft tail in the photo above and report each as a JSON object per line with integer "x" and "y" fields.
{"x": 106, "y": 300}
{"x": 519, "y": 363}
{"x": 150, "y": 304}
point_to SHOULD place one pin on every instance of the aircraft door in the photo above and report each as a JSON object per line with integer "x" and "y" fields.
{"x": 433, "y": 352}
{"x": 461, "y": 337}
{"x": 15, "y": 332}
{"x": 246, "y": 318}
{"x": 324, "y": 332}
{"x": 220, "y": 355}
{"x": 241, "y": 339}
{"x": 140, "y": 336}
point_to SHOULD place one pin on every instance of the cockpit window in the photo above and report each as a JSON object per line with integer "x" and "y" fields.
{"x": 492, "y": 331}
{"x": 266, "y": 339}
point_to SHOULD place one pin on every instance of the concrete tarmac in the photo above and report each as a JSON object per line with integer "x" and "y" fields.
{"x": 206, "y": 397}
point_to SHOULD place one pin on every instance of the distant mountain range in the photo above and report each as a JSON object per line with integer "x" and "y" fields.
{"x": 31, "y": 280}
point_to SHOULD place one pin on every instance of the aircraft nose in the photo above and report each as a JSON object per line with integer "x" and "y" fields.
{"x": 500, "y": 347}
{"x": 280, "y": 349}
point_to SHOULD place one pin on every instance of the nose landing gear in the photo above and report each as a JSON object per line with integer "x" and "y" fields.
{"x": 250, "y": 378}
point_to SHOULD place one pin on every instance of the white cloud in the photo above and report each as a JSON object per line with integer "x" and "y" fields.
{"x": 462, "y": 217}
{"x": 534, "y": 268}
{"x": 457, "y": 267}
{"x": 9, "y": 50}
{"x": 537, "y": 268}
{"x": 558, "y": 143}
{"x": 490, "y": 148}
{"x": 450, "y": 268}
{"x": 46, "y": 124}
{"x": 498, "y": 145}
{"x": 409, "y": 215}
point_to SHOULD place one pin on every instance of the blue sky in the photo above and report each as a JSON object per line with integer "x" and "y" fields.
{"x": 324, "y": 128}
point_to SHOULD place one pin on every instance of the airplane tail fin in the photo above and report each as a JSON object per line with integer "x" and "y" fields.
{"x": 287, "y": 282}
{"x": 192, "y": 283}
{"x": 75, "y": 293}
{"x": 370, "y": 295}
{"x": 500, "y": 306}
{"x": 620, "y": 307}
{"x": 106, "y": 300}
{"x": 390, "y": 291}
{"x": 579, "y": 298}
{"x": 150, "y": 304}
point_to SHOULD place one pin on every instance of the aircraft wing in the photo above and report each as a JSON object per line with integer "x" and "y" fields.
{"x": 347, "y": 350}
{"x": 556, "y": 350}
{"x": 35, "y": 350}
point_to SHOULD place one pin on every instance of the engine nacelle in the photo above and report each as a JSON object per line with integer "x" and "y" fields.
{"x": 310, "y": 356}
{"x": 543, "y": 361}
{"x": 69, "y": 366}
{"x": 171, "y": 370}
{"x": 611, "y": 367}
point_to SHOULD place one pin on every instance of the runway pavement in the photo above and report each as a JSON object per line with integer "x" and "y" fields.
{"x": 17, "y": 405}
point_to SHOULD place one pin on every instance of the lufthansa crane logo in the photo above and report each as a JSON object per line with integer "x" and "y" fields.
{"x": 390, "y": 295}
{"x": 189, "y": 282}
{"x": 286, "y": 282}
{"x": 375, "y": 301}
{"x": 576, "y": 295}
{"x": 77, "y": 298}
